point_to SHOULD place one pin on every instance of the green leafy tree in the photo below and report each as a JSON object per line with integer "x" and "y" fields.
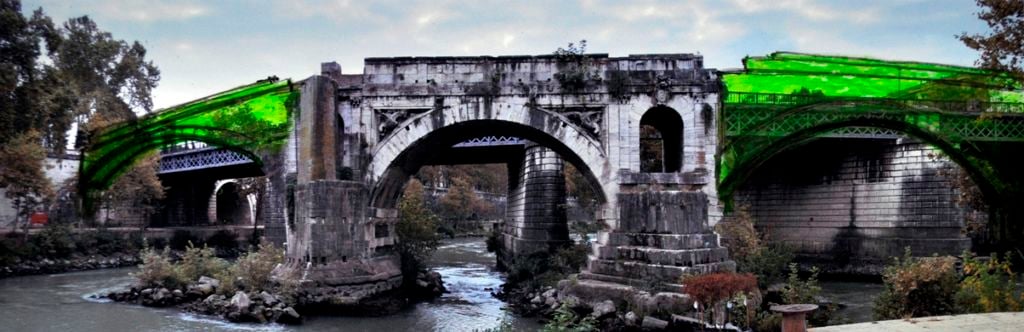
{"x": 22, "y": 82}
{"x": 416, "y": 230}
{"x": 1003, "y": 47}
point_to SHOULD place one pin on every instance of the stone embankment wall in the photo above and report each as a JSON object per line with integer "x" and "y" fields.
{"x": 842, "y": 201}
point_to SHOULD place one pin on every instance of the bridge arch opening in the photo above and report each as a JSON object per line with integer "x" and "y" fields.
{"x": 877, "y": 198}
{"x": 535, "y": 218}
{"x": 424, "y": 151}
{"x": 232, "y": 205}
{"x": 661, "y": 140}
{"x": 963, "y": 154}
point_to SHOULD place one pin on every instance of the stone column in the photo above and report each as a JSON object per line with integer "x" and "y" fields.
{"x": 327, "y": 245}
{"x": 536, "y": 219}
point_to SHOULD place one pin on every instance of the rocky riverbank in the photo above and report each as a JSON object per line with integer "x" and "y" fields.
{"x": 206, "y": 297}
{"x": 25, "y": 267}
{"x": 642, "y": 311}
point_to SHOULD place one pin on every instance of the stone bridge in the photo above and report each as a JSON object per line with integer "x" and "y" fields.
{"x": 657, "y": 136}
{"x": 403, "y": 113}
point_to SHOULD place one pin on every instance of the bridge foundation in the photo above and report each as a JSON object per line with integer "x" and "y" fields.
{"x": 535, "y": 214}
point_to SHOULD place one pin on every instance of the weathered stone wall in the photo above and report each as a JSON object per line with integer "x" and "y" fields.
{"x": 535, "y": 216}
{"x": 843, "y": 200}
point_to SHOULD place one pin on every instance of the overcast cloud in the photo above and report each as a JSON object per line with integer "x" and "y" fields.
{"x": 203, "y": 47}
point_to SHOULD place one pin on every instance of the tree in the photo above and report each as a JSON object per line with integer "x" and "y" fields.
{"x": 19, "y": 49}
{"x": 461, "y": 202}
{"x": 416, "y": 230}
{"x": 139, "y": 187}
{"x": 21, "y": 173}
{"x": 1003, "y": 47}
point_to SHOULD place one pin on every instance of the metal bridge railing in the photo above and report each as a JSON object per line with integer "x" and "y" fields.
{"x": 963, "y": 106}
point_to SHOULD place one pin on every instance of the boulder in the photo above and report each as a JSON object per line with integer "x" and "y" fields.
{"x": 630, "y": 318}
{"x": 289, "y": 316}
{"x": 603, "y": 309}
{"x": 204, "y": 280}
{"x": 653, "y": 323}
{"x": 240, "y": 301}
{"x": 205, "y": 289}
{"x": 267, "y": 298}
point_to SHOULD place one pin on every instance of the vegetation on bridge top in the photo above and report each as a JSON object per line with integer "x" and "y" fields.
{"x": 824, "y": 76}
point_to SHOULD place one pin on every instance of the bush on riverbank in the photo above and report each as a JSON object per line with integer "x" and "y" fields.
{"x": 989, "y": 285}
{"x": 58, "y": 241}
{"x": 917, "y": 287}
{"x": 751, "y": 250}
{"x": 252, "y": 271}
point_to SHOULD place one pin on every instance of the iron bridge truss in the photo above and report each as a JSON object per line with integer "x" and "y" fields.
{"x": 771, "y": 115}
{"x": 201, "y": 158}
{"x": 205, "y": 157}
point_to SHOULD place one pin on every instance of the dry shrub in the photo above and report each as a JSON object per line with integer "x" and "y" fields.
{"x": 197, "y": 262}
{"x": 157, "y": 270}
{"x": 989, "y": 285}
{"x": 917, "y": 287}
{"x": 253, "y": 271}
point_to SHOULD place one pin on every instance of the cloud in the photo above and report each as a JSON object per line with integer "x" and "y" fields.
{"x": 151, "y": 10}
{"x": 812, "y": 10}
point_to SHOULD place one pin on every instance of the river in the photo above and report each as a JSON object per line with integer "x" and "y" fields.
{"x": 62, "y": 302}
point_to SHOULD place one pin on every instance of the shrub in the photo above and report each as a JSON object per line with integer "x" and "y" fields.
{"x": 55, "y": 241}
{"x": 797, "y": 291}
{"x": 566, "y": 319}
{"x": 714, "y": 290}
{"x": 748, "y": 248}
{"x": 13, "y": 248}
{"x": 103, "y": 242}
{"x": 527, "y": 270}
{"x": 157, "y": 270}
{"x": 569, "y": 259}
{"x": 739, "y": 235}
{"x": 768, "y": 264}
{"x": 989, "y": 286}
{"x": 916, "y": 287}
{"x": 197, "y": 262}
{"x": 253, "y": 271}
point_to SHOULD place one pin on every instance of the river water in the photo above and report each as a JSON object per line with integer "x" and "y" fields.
{"x": 61, "y": 302}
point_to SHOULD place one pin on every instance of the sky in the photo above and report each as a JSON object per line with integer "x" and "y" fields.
{"x": 204, "y": 47}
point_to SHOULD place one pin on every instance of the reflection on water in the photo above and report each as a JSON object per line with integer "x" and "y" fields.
{"x": 61, "y": 303}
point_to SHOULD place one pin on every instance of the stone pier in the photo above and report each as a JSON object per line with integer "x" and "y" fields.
{"x": 536, "y": 220}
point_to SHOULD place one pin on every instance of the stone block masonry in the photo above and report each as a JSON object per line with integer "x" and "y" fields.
{"x": 840, "y": 201}
{"x": 536, "y": 215}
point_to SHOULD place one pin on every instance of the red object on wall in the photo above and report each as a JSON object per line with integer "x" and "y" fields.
{"x": 39, "y": 218}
